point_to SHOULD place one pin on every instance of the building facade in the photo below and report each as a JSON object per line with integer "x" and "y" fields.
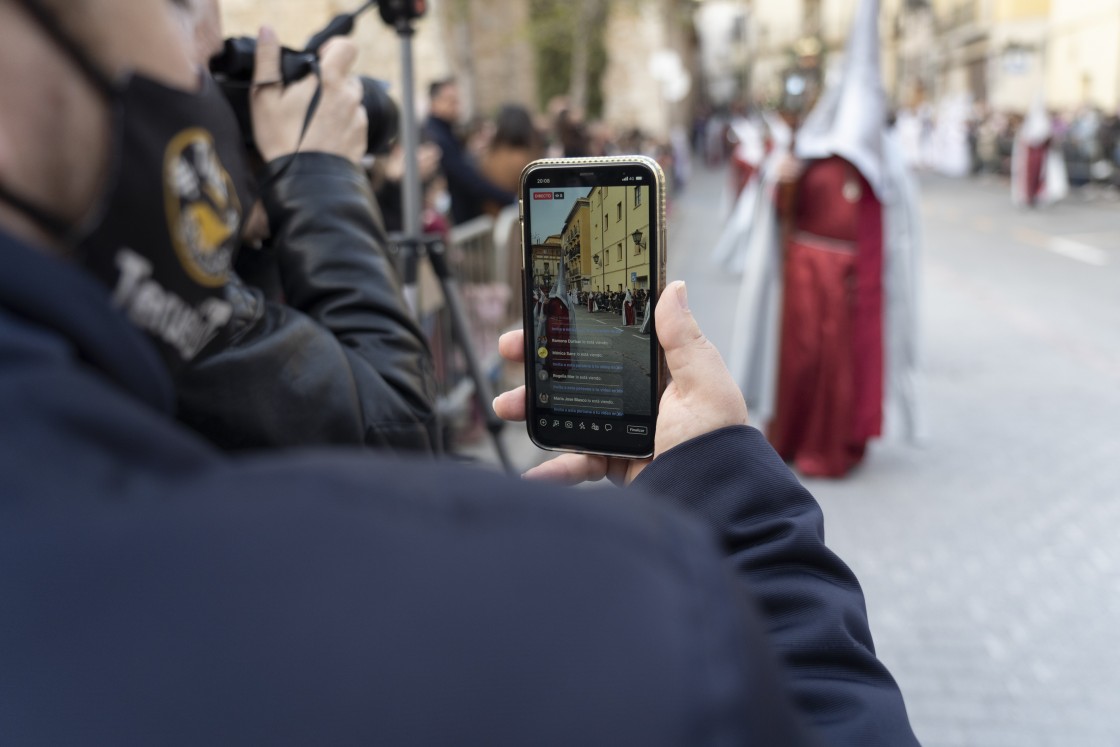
{"x": 651, "y": 63}
{"x": 547, "y": 257}
{"x": 575, "y": 241}
{"x": 1001, "y": 53}
{"x": 619, "y": 242}
{"x": 1005, "y": 53}
{"x": 1083, "y": 54}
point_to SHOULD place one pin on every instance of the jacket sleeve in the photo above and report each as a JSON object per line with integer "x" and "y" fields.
{"x": 772, "y": 531}
{"x": 342, "y": 361}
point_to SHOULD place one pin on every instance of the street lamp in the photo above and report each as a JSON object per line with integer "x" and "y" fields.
{"x": 637, "y": 236}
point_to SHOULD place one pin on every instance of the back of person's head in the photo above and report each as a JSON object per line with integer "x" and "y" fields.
{"x": 515, "y": 128}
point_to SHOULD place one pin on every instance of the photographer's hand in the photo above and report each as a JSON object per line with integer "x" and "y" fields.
{"x": 701, "y": 398}
{"x": 339, "y": 125}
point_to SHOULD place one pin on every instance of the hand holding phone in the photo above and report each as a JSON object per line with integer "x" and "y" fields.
{"x": 593, "y": 238}
{"x": 701, "y": 396}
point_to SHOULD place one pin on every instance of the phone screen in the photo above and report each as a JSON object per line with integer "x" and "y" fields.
{"x": 592, "y": 273}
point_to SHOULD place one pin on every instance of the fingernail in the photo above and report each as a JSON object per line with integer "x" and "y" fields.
{"x": 267, "y": 34}
{"x": 682, "y": 295}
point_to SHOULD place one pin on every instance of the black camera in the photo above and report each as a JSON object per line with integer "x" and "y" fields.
{"x": 233, "y": 70}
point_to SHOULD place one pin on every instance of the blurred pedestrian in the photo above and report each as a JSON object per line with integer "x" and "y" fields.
{"x": 514, "y": 144}
{"x": 732, "y": 247}
{"x": 748, "y": 152}
{"x": 826, "y": 324}
{"x": 468, "y": 188}
{"x": 387, "y": 179}
{"x": 1038, "y": 170}
{"x": 559, "y": 322}
{"x": 628, "y": 314}
{"x": 572, "y": 134}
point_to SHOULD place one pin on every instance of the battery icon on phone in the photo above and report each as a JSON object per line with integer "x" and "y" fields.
{"x": 637, "y": 178}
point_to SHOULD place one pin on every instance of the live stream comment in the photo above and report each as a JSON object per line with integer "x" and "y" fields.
{"x": 591, "y": 383}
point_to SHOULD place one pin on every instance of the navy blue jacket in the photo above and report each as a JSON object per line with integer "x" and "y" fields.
{"x": 468, "y": 187}
{"x": 156, "y": 591}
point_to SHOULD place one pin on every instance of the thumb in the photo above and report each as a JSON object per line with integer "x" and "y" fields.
{"x": 266, "y": 68}
{"x": 692, "y": 359}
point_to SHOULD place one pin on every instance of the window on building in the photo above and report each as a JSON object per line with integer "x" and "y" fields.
{"x": 618, "y": 215}
{"x": 637, "y": 196}
{"x": 606, "y": 221}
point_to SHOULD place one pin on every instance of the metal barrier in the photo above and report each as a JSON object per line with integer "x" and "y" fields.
{"x": 480, "y": 255}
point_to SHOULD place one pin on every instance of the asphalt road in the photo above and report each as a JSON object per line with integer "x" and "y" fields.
{"x": 627, "y": 347}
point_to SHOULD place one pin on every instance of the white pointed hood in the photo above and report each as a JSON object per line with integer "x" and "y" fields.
{"x": 850, "y": 118}
{"x": 750, "y": 146}
{"x": 1037, "y": 128}
{"x": 560, "y": 289}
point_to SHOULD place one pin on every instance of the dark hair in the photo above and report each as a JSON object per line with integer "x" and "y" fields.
{"x": 515, "y": 127}
{"x": 438, "y": 85}
{"x": 572, "y": 135}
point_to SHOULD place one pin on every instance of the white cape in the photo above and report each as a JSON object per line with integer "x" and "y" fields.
{"x": 731, "y": 249}
{"x": 757, "y": 334}
{"x": 1055, "y": 177}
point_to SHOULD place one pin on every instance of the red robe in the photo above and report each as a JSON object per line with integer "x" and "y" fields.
{"x": 830, "y": 375}
{"x": 628, "y": 313}
{"x": 741, "y": 173}
{"x": 558, "y": 332}
{"x": 1036, "y": 167}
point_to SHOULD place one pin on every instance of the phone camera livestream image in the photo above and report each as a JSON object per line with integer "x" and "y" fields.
{"x": 591, "y": 282}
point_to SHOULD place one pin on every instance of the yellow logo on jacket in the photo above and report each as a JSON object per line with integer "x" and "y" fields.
{"x": 203, "y": 211}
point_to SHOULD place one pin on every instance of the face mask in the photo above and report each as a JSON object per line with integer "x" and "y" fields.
{"x": 167, "y": 225}
{"x": 442, "y": 203}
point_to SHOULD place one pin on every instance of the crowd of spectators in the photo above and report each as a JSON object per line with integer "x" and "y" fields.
{"x": 1088, "y": 137}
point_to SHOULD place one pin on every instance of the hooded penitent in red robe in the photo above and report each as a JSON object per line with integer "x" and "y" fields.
{"x": 830, "y": 390}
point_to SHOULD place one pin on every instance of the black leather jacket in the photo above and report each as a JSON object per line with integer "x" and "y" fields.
{"x": 341, "y": 361}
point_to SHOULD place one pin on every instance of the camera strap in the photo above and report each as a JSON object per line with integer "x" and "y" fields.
{"x": 311, "y": 109}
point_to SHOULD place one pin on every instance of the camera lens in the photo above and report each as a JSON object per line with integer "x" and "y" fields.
{"x": 384, "y": 117}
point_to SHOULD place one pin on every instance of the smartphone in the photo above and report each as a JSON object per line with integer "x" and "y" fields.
{"x": 593, "y": 254}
